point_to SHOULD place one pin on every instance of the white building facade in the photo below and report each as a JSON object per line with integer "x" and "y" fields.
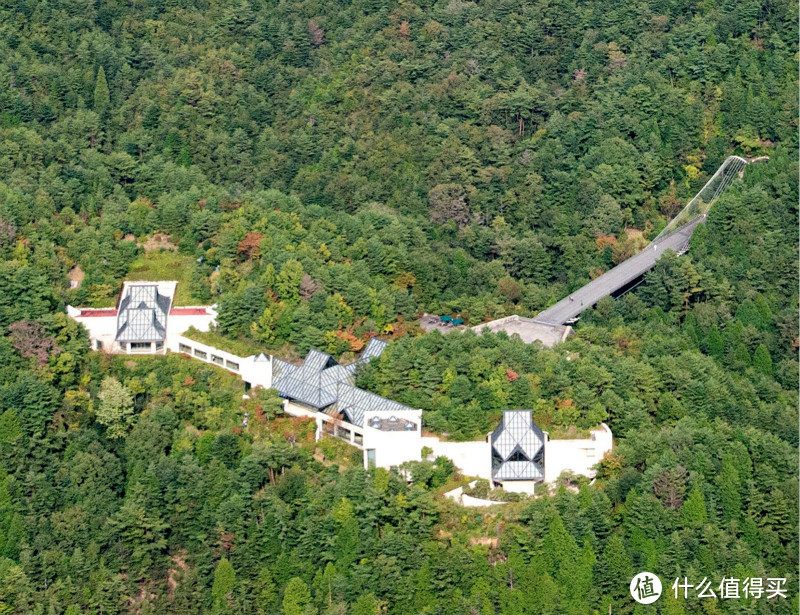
{"x": 145, "y": 321}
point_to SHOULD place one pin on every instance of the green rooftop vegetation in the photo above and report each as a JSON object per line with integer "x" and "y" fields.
{"x": 166, "y": 265}
{"x": 239, "y": 347}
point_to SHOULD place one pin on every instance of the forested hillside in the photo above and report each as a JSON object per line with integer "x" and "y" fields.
{"x": 329, "y": 170}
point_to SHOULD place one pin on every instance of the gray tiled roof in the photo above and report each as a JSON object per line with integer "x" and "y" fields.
{"x": 354, "y": 402}
{"x": 142, "y": 315}
{"x": 374, "y": 349}
{"x": 517, "y": 447}
{"x": 322, "y": 383}
{"x": 316, "y": 361}
{"x": 302, "y": 384}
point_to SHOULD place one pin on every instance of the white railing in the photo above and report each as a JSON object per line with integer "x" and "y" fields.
{"x": 709, "y": 193}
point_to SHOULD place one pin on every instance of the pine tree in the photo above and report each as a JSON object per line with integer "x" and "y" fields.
{"x": 10, "y": 428}
{"x": 672, "y": 605}
{"x": 729, "y": 489}
{"x": 115, "y": 409}
{"x": 297, "y": 598}
{"x": 102, "y": 99}
{"x": 614, "y": 569}
{"x": 762, "y": 361}
{"x": 764, "y": 311}
{"x": 749, "y": 314}
{"x": 365, "y": 605}
{"x": 224, "y": 582}
{"x": 741, "y": 357}
{"x": 266, "y": 595}
{"x": 559, "y": 547}
{"x": 346, "y": 535}
{"x": 693, "y": 512}
{"x": 715, "y": 345}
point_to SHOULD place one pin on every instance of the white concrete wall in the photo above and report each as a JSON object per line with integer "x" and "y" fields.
{"x": 519, "y": 486}
{"x": 299, "y": 411}
{"x": 473, "y": 502}
{"x": 178, "y": 324}
{"x": 471, "y": 458}
{"x": 577, "y": 456}
{"x": 328, "y": 426}
{"x": 457, "y": 495}
{"x": 100, "y": 328}
{"x": 393, "y": 448}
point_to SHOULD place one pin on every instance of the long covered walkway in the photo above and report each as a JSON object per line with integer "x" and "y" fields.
{"x": 615, "y": 279}
{"x": 674, "y": 237}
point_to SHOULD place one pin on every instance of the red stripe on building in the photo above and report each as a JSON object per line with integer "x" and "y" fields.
{"x": 188, "y": 311}
{"x": 88, "y": 313}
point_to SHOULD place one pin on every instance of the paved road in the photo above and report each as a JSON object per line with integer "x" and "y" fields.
{"x": 614, "y": 279}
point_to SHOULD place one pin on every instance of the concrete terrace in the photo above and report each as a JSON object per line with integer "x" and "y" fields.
{"x": 528, "y": 329}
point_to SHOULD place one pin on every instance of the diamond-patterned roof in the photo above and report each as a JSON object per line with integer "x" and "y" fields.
{"x": 142, "y": 314}
{"x": 517, "y": 447}
{"x": 518, "y": 470}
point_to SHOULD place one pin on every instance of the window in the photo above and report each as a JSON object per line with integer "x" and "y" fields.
{"x": 370, "y": 457}
{"x": 200, "y": 354}
{"x": 216, "y": 359}
{"x": 232, "y": 365}
{"x": 344, "y": 434}
{"x": 159, "y": 346}
{"x": 358, "y": 439}
{"x": 140, "y": 347}
{"x": 518, "y": 455}
{"x": 98, "y": 345}
{"x": 185, "y": 348}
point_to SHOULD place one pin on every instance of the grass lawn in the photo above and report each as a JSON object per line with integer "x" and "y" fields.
{"x": 166, "y": 265}
{"x": 241, "y": 348}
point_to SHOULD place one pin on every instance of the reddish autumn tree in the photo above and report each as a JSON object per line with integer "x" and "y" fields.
{"x": 31, "y": 340}
{"x": 309, "y": 286}
{"x": 356, "y": 343}
{"x": 449, "y": 202}
{"x": 251, "y": 244}
{"x": 317, "y": 34}
{"x": 405, "y": 30}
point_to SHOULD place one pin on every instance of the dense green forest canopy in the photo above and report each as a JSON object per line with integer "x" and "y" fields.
{"x": 325, "y": 171}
